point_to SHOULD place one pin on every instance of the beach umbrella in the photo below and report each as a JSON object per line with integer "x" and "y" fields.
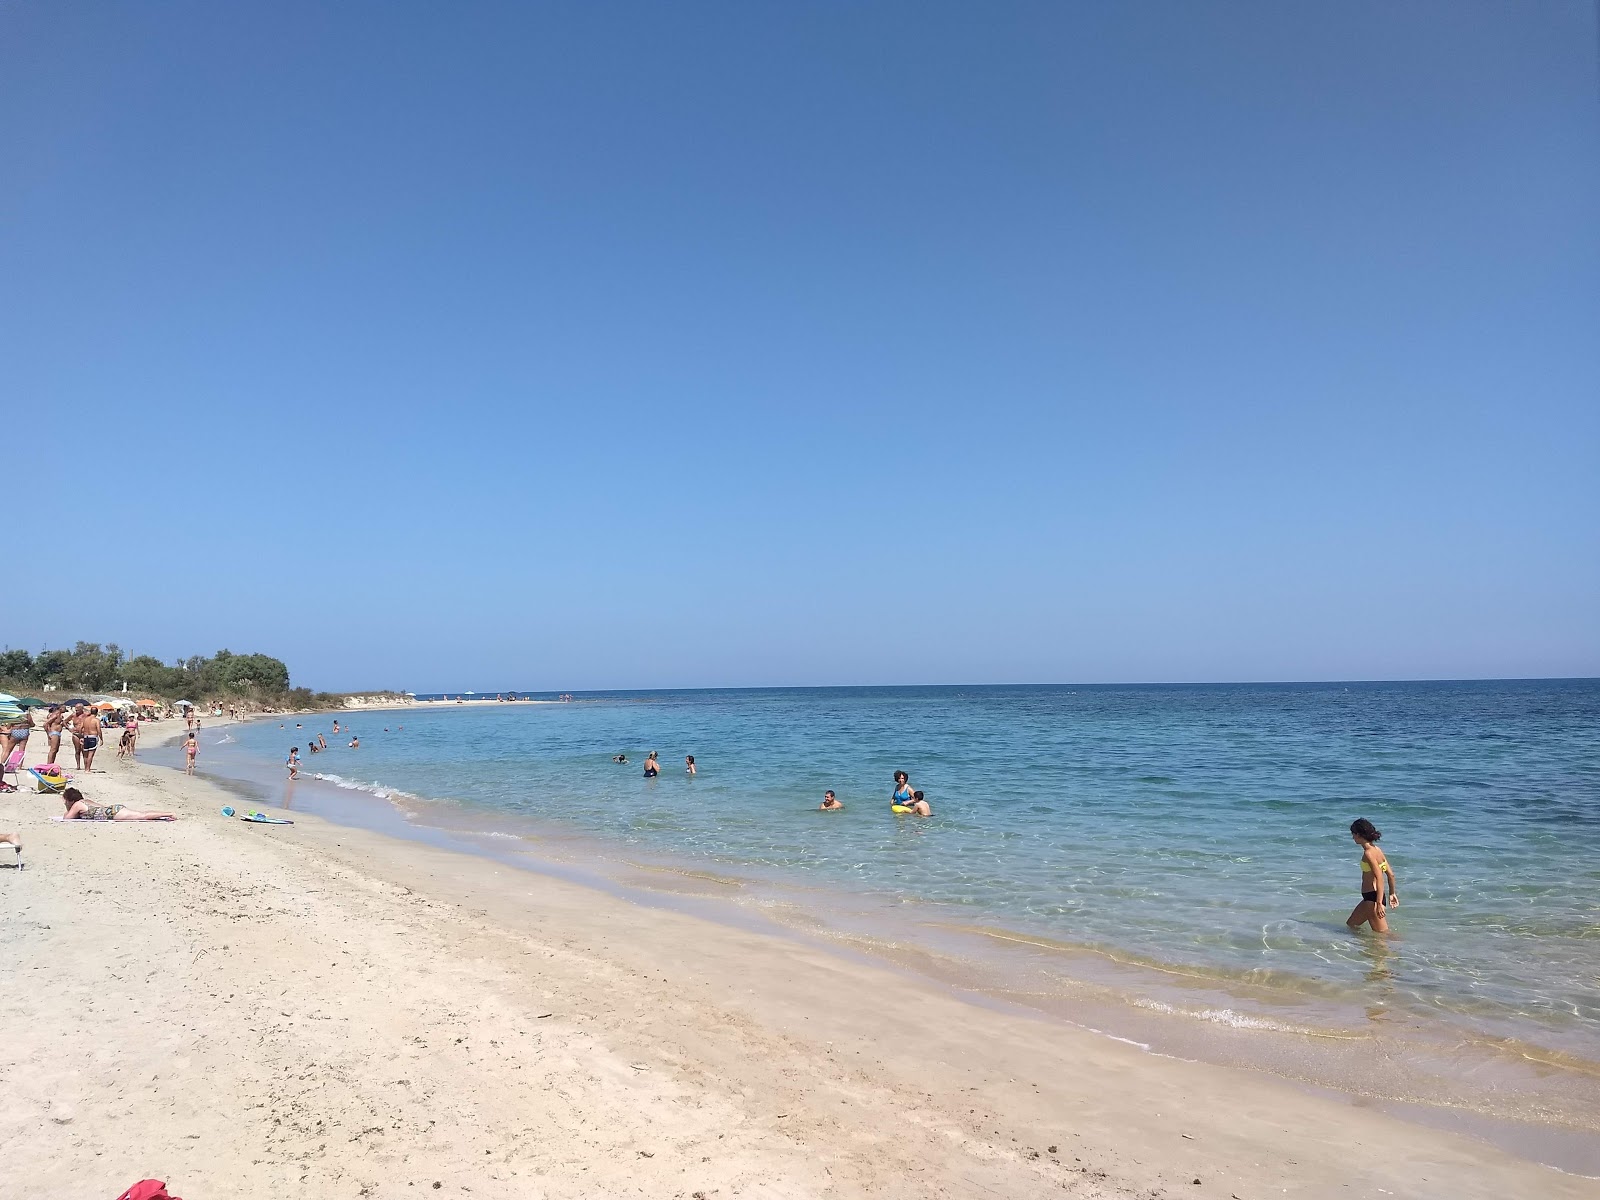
{"x": 5, "y": 699}
{"x": 149, "y": 704}
{"x": 75, "y": 701}
{"x": 105, "y": 704}
{"x": 33, "y": 702}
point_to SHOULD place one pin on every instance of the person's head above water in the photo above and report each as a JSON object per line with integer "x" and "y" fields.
{"x": 917, "y": 796}
{"x": 901, "y": 777}
{"x": 1364, "y": 830}
{"x": 688, "y": 758}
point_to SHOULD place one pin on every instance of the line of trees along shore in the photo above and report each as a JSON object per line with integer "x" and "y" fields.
{"x": 91, "y": 667}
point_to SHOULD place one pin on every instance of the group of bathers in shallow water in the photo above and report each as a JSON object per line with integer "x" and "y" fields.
{"x": 902, "y": 801}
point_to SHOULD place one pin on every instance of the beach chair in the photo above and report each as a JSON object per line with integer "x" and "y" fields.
{"x": 13, "y": 768}
{"x": 47, "y": 779}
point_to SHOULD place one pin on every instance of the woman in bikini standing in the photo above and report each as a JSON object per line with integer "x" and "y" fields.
{"x": 17, "y": 733}
{"x": 54, "y": 722}
{"x": 1377, "y": 880}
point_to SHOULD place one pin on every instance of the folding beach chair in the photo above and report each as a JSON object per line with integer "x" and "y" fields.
{"x": 13, "y": 768}
{"x": 49, "y": 780}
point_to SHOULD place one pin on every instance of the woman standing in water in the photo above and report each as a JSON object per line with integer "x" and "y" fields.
{"x": 1377, "y": 880}
{"x": 652, "y": 766}
{"x": 900, "y": 800}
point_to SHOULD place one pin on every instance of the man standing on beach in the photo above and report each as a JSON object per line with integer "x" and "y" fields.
{"x": 87, "y": 732}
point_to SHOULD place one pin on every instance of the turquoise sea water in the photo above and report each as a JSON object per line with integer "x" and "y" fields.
{"x": 1204, "y": 827}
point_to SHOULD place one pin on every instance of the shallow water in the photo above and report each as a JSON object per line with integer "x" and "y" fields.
{"x": 1202, "y": 829}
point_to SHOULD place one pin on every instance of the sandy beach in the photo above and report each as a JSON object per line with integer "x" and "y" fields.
{"x": 238, "y": 1009}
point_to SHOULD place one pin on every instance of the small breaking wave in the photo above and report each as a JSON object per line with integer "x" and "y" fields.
{"x": 1233, "y": 1019}
{"x": 355, "y": 785}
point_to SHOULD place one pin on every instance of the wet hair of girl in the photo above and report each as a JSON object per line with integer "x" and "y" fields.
{"x": 1365, "y": 830}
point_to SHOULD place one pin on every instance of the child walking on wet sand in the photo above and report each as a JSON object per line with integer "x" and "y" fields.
{"x": 191, "y": 747}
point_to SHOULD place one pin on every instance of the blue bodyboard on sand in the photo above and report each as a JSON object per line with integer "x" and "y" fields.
{"x": 261, "y": 819}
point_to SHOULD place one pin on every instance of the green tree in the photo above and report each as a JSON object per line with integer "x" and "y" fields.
{"x": 50, "y": 666}
{"x": 16, "y": 664}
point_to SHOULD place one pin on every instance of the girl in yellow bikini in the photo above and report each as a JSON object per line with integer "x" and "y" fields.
{"x": 1377, "y": 879}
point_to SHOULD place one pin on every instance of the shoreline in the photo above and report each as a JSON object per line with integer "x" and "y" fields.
{"x": 1534, "y": 1100}
{"x": 331, "y": 1007}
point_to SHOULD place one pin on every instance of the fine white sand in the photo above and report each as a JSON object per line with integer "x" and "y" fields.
{"x": 241, "y": 1009}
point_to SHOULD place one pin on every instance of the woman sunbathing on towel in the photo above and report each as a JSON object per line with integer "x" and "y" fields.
{"x": 79, "y": 809}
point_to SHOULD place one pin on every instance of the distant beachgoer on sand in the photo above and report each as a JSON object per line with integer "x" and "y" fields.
{"x": 1377, "y": 880}
{"x": 652, "y": 768}
{"x": 293, "y": 762}
{"x": 830, "y": 802}
{"x": 125, "y": 742}
{"x": 79, "y": 809}
{"x": 619, "y": 758}
{"x": 355, "y": 743}
{"x": 55, "y": 721}
{"x": 191, "y": 747}
{"x": 87, "y": 732}
{"x": 688, "y": 764}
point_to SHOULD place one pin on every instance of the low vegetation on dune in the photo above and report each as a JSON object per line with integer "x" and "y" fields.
{"x": 247, "y": 680}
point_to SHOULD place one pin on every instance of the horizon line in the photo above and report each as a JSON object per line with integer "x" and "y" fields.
{"x": 767, "y": 687}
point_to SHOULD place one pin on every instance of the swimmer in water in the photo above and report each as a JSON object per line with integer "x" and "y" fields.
{"x": 652, "y": 768}
{"x": 619, "y": 758}
{"x": 1377, "y": 880}
{"x": 688, "y": 764}
{"x": 901, "y": 800}
{"x": 919, "y": 805}
{"x": 355, "y": 743}
{"x": 830, "y": 802}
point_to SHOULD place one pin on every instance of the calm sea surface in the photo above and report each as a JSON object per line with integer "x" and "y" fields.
{"x": 1202, "y": 827}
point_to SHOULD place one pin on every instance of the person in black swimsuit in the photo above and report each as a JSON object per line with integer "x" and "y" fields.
{"x": 652, "y": 768}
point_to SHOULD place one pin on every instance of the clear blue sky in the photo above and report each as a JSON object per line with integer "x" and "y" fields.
{"x": 626, "y": 345}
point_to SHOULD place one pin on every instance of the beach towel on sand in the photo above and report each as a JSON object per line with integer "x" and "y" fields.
{"x": 148, "y": 1189}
